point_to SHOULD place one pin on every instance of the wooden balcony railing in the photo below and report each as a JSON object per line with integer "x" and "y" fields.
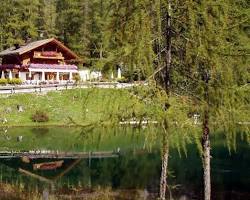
{"x": 48, "y": 55}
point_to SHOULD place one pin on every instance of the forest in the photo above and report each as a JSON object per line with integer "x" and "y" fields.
{"x": 132, "y": 33}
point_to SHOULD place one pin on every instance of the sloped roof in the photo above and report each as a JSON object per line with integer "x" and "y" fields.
{"x": 33, "y": 45}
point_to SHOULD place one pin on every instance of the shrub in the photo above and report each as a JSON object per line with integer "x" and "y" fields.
{"x": 40, "y": 116}
{"x": 77, "y": 78}
{"x": 3, "y": 81}
{"x": 135, "y": 75}
{"x": 15, "y": 81}
{"x": 122, "y": 80}
{"x": 104, "y": 79}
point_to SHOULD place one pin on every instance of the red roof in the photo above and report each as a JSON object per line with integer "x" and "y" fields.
{"x": 33, "y": 45}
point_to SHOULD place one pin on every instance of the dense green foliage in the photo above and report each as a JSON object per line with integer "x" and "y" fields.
{"x": 207, "y": 37}
{"x": 13, "y": 81}
{"x": 131, "y": 33}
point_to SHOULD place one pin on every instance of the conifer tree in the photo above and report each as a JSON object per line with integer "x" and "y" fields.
{"x": 203, "y": 65}
{"x": 68, "y": 23}
{"x": 18, "y": 21}
{"x": 46, "y": 18}
{"x": 131, "y": 37}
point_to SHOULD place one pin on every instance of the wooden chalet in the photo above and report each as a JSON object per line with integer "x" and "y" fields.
{"x": 45, "y": 60}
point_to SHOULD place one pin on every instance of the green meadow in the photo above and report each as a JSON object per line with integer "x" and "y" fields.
{"x": 69, "y": 107}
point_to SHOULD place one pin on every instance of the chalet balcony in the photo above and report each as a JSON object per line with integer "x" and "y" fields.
{"x": 48, "y": 55}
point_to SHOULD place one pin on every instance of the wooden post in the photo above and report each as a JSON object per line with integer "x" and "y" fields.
{"x": 41, "y": 178}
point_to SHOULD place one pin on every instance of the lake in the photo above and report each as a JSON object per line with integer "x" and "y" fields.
{"x": 115, "y": 163}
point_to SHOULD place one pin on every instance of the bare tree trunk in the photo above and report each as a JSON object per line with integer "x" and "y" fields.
{"x": 164, "y": 167}
{"x": 165, "y": 152}
{"x": 206, "y": 142}
{"x": 168, "y": 62}
{"x": 168, "y": 57}
{"x": 206, "y": 158}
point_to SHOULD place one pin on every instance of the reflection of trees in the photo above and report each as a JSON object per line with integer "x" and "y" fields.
{"x": 130, "y": 171}
{"x": 139, "y": 169}
{"x": 74, "y": 139}
{"x": 42, "y": 131}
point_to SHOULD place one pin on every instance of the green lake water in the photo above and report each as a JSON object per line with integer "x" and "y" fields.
{"x": 136, "y": 166}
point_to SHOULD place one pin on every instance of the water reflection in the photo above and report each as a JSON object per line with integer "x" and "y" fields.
{"x": 118, "y": 166}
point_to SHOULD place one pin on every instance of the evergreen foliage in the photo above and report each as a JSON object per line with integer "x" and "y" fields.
{"x": 207, "y": 36}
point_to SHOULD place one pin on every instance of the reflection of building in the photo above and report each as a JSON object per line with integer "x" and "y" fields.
{"x": 43, "y": 60}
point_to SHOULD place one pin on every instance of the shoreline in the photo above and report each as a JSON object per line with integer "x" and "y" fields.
{"x": 38, "y": 126}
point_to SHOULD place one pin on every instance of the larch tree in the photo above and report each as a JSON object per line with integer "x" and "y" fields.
{"x": 212, "y": 73}
{"x": 204, "y": 54}
{"x": 131, "y": 37}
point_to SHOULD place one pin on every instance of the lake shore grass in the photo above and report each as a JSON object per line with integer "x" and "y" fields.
{"x": 77, "y": 107}
{"x": 92, "y": 107}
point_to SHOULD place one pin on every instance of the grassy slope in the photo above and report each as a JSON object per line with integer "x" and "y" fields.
{"x": 81, "y": 105}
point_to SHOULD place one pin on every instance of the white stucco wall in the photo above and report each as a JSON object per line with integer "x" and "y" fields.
{"x": 95, "y": 75}
{"x": 87, "y": 75}
{"x": 84, "y": 74}
{"x": 22, "y": 76}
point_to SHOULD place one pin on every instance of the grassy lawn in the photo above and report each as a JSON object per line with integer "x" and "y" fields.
{"x": 82, "y": 106}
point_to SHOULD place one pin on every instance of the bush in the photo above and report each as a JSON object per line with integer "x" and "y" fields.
{"x": 104, "y": 80}
{"x": 40, "y": 116}
{"x": 15, "y": 81}
{"x": 77, "y": 78}
{"x": 3, "y": 81}
{"x": 135, "y": 75}
{"x": 122, "y": 80}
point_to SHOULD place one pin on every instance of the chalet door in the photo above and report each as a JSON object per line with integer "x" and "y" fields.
{"x": 51, "y": 76}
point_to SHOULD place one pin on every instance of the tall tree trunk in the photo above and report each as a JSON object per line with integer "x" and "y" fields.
{"x": 168, "y": 56}
{"x": 206, "y": 143}
{"x": 206, "y": 158}
{"x": 165, "y": 152}
{"x": 164, "y": 167}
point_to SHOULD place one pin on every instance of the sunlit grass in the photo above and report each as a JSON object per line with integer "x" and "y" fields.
{"x": 80, "y": 105}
